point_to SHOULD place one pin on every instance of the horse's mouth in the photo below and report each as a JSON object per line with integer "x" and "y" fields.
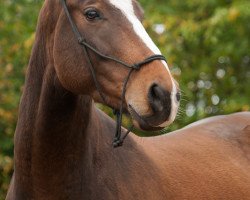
{"x": 142, "y": 122}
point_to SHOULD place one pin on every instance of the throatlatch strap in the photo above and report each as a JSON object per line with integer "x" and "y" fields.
{"x": 118, "y": 140}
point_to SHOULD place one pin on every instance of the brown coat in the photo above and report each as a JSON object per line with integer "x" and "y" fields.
{"x": 63, "y": 142}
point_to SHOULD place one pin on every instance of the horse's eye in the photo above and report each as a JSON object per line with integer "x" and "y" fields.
{"x": 92, "y": 14}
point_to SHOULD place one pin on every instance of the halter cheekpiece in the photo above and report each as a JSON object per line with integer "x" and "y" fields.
{"x": 118, "y": 139}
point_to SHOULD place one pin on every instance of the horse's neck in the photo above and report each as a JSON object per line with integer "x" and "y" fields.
{"x": 52, "y": 138}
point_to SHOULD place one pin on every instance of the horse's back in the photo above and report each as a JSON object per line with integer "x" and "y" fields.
{"x": 209, "y": 159}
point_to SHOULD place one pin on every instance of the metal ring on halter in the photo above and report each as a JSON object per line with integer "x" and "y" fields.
{"x": 118, "y": 140}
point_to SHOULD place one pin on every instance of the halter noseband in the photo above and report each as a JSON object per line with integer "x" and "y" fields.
{"x": 118, "y": 140}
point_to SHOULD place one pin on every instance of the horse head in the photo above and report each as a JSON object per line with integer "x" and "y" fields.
{"x": 114, "y": 28}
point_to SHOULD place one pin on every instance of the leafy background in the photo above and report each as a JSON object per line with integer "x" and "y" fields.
{"x": 206, "y": 44}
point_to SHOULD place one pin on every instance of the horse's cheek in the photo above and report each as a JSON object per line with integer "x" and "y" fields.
{"x": 70, "y": 66}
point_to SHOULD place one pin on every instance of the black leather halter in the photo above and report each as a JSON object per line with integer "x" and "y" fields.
{"x": 118, "y": 140}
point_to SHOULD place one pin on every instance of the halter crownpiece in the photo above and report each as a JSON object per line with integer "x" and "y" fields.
{"x": 118, "y": 140}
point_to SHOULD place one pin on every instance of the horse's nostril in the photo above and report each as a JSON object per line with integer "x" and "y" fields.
{"x": 155, "y": 95}
{"x": 159, "y": 99}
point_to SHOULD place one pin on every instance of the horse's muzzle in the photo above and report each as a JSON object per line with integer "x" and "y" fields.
{"x": 160, "y": 103}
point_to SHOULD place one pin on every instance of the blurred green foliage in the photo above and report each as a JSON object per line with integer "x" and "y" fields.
{"x": 206, "y": 44}
{"x": 17, "y": 25}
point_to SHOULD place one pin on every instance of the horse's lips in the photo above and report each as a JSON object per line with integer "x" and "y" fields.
{"x": 142, "y": 123}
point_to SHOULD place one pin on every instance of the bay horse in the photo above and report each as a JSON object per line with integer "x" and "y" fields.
{"x": 63, "y": 141}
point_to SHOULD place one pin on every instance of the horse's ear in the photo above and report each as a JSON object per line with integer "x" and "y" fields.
{"x": 138, "y": 10}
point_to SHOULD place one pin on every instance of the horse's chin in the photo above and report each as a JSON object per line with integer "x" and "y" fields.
{"x": 140, "y": 123}
{"x": 146, "y": 127}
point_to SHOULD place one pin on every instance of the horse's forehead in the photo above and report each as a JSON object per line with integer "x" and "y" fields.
{"x": 126, "y": 6}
